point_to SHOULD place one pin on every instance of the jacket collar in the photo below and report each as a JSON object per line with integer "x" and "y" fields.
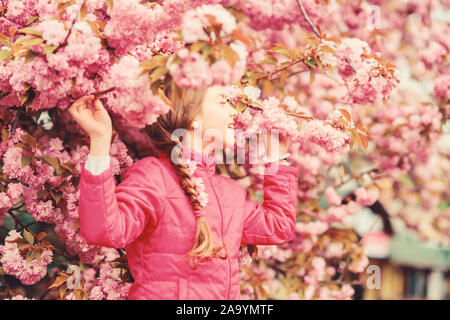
{"x": 203, "y": 160}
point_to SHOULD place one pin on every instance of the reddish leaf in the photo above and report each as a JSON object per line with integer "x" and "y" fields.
{"x": 346, "y": 114}
{"x": 364, "y": 141}
{"x": 59, "y": 281}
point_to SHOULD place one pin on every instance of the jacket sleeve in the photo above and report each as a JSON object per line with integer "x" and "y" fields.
{"x": 114, "y": 216}
{"x": 273, "y": 221}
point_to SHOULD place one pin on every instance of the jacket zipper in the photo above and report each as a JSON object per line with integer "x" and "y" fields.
{"x": 228, "y": 256}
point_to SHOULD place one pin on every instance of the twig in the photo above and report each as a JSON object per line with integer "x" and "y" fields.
{"x": 69, "y": 32}
{"x": 14, "y": 125}
{"x": 100, "y": 93}
{"x": 281, "y": 69}
{"x": 358, "y": 176}
{"x": 346, "y": 60}
{"x": 18, "y": 221}
{"x": 26, "y": 226}
{"x": 305, "y": 15}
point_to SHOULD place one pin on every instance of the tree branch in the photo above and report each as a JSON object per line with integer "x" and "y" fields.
{"x": 305, "y": 15}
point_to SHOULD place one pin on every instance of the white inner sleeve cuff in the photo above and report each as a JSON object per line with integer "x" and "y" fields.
{"x": 97, "y": 164}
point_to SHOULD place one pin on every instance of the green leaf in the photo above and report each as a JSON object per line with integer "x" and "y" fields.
{"x": 49, "y": 49}
{"x": 56, "y": 195}
{"x": 69, "y": 166}
{"x": 62, "y": 290}
{"x": 230, "y": 55}
{"x": 240, "y": 106}
{"x": 31, "y": 31}
{"x": 23, "y": 98}
{"x": 32, "y": 42}
{"x": 328, "y": 49}
{"x": 30, "y": 254}
{"x": 5, "y": 54}
{"x": 198, "y": 46}
{"x": 267, "y": 86}
{"x": 37, "y": 253}
{"x": 310, "y": 62}
{"x": 29, "y": 57}
{"x": 59, "y": 281}
{"x": 281, "y": 51}
{"x": 28, "y": 236}
{"x": 83, "y": 11}
{"x": 19, "y": 40}
{"x": 62, "y": 6}
{"x": 283, "y": 76}
{"x": 22, "y": 246}
{"x": 154, "y": 62}
{"x": 109, "y": 4}
{"x": 311, "y": 76}
{"x": 32, "y": 19}
{"x": 23, "y": 146}
{"x": 26, "y": 161}
{"x": 95, "y": 28}
{"x": 206, "y": 51}
{"x": 54, "y": 162}
{"x": 28, "y": 139}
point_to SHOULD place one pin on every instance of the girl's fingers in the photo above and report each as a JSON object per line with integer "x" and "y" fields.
{"x": 75, "y": 107}
{"x": 98, "y": 105}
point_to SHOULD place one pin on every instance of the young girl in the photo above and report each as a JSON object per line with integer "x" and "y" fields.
{"x": 180, "y": 223}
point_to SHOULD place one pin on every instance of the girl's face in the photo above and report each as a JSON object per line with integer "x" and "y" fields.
{"x": 214, "y": 119}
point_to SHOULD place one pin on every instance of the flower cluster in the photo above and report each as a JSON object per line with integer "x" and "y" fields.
{"x": 270, "y": 114}
{"x": 14, "y": 260}
{"x": 133, "y": 96}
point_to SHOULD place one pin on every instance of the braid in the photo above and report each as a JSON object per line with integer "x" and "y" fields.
{"x": 203, "y": 247}
{"x": 160, "y": 134}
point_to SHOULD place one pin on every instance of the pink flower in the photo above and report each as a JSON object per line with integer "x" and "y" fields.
{"x": 350, "y": 51}
{"x": 432, "y": 55}
{"x": 442, "y": 87}
{"x": 324, "y": 135}
{"x": 332, "y": 197}
{"x": 133, "y": 97}
{"x": 359, "y": 265}
{"x": 195, "y": 21}
{"x": 334, "y": 249}
{"x": 369, "y": 86}
{"x": 16, "y": 265}
{"x": 313, "y": 228}
{"x": 53, "y": 32}
{"x": 200, "y": 187}
{"x": 366, "y": 197}
{"x": 193, "y": 71}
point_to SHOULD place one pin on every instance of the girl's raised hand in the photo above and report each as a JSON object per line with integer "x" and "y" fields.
{"x": 96, "y": 123}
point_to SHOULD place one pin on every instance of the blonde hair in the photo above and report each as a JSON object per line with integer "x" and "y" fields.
{"x": 180, "y": 116}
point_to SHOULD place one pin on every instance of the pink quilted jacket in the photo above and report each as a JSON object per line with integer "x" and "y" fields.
{"x": 150, "y": 216}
